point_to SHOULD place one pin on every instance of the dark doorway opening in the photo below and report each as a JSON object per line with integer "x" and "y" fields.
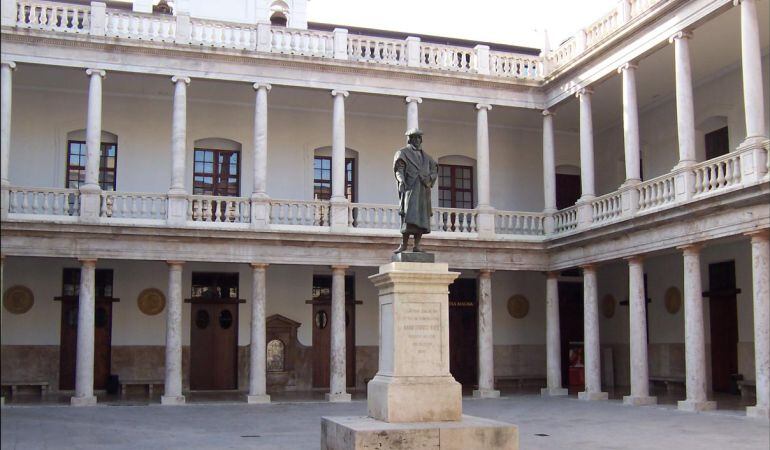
{"x": 69, "y": 327}
{"x": 723, "y": 314}
{"x": 568, "y": 190}
{"x": 463, "y": 331}
{"x": 717, "y": 143}
{"x": 571, "y": 331}
{"x": 322, "y": 330}
{"x": 214, "y": 331}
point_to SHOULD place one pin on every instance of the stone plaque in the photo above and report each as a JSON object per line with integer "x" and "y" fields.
{"x": 518, "y": 306}
{"x": 673, "y": 300}
{"x": 419, "y": 325}
{"x": 608, "y": 306}
{"x": 18, "y": 299}
{"x": 151, "y": 301}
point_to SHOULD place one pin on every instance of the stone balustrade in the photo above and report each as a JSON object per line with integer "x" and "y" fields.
{"x": 602, "y": 27}
{"x": 508, "y": 65}
{"x": 130, "y": 205}
{"x": 362, "y": 215}
{"x": 215, "y": 209}
{"x": 44, "y": 202}
{"x": 565, "y": 220}
{"x": 314, "y": 213}
{"x": 448, "y": 57}
{"x": 51, "y": 16}
{"x": 302, "y": 42}
{"x": 519, "y": 223}
{"x": 657, "y": 192}
{"x": 377, "y": 50}
{"x": 212, "y": 33}
{"x": 717, "y": 174}
{"x": 454, "y": 220}
{"x": 122, "y": 24}
{"x": 607, "y": 207}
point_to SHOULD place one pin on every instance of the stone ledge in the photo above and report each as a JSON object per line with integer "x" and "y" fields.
{"x": 365, "y": 433}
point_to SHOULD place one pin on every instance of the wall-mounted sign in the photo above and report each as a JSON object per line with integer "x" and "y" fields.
{"x": 151, "y": 301}
{"x": 673, "y": 300}
{"x": 518, "y": 306}
{"x": 18, "y": 299}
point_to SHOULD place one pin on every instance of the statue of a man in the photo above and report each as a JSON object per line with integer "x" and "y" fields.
{"x": 416, "y": 172}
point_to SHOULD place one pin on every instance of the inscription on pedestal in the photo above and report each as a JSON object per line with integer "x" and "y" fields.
{"x": 420, "y": 327}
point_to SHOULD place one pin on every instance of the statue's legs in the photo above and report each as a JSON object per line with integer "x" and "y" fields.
{"x": 404, "y": 242}
{"x": 416, "y": 247}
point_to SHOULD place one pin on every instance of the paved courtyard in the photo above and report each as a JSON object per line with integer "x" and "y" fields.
{"x": 559, "y": 423}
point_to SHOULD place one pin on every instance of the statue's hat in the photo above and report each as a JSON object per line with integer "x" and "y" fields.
{"x": 413, "y": 131}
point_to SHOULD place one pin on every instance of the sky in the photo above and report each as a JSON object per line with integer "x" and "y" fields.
{"x": 514, "y": 22}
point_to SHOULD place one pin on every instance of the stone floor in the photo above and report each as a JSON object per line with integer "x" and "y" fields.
{"x": 213, "y": 422}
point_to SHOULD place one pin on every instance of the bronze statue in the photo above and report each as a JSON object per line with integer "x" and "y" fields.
{"x": 416, "y": 173}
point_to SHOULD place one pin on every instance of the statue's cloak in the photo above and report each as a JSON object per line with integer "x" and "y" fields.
{"x": 419, "y": 174}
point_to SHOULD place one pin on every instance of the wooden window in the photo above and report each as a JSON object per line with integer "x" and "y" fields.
{"x": 217, "y": 172}
{"x": 71, "y": 282}
{"x": 76, "y": 165}
{"x": 214, "y": 285}
{"x": 455, "y": 186}
{"x": 322, "y": 178}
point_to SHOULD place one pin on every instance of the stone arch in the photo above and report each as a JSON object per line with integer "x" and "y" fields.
{"x": 80, "y": 135}
{"x": 218, "y": 143}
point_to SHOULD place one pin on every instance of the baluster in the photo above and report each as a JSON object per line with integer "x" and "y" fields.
{"x": 190, "y": 214}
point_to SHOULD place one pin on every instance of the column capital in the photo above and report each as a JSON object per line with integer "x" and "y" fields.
{"x": 631, "y": 65}
{"x": 588, "y": 266}
{"x": 88, "y": 260}
{"x": 634, "y": 259}
{"x": 691, "y": 248}
{"x": 174, "y": 263}
{"x": 256, "y": 265}
{"x": 180, "y": 78}
{"x": 411, "y": 99}
{"x": 337, "y": 92}
{"x": 92, "y": 72}
{"x": 584, "y": 91}
{"x": 480, "y": 106}
{"x": 759, "y": 235}
{"x": 684, "y": 34}
{"x": 10, "y": 64}
{"x": 339, "y": 267}
{"x": 551, "y": 274}
{"x": 548, "y": 112}
{"x": 486, "y": 271}
{"x": 738, "y": 2}
{"x": 259, "y": 85}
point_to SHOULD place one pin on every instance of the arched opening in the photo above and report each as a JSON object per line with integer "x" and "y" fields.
{"x": 278, "y": 19}
{"x": 279, "y": 13}
{"x": 568, "y": 189}
{"x": 217, "y": 167}
{"x": 76, "y": 160}
{"x": 322, "y": 174}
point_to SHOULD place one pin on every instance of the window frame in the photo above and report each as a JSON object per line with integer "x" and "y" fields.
{"x": 215, "y": 172}
{"x": 452, "y": 189}
{"x": 103, "y": 169}
{"x": 350, "y": 184}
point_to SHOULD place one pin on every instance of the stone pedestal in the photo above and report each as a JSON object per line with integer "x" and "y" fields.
{"x": 413, "y": 401}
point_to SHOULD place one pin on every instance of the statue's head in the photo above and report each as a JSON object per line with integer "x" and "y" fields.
{"x": 414, "y": 137}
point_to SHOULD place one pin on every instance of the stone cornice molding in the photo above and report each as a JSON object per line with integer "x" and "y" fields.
{"x": 10, "y": 64}
{"x": 631, "y": 65}
{"x": 336, "y": 92}
{"x": 480, "y": 106}
{"x": 759, "y": 235}
{"x": 100, "y": 72}
{"x": 258, "y": 85}
{"x": 412, "y": 99}
{"x": 684, "y": 34}
{"x": 180, "y": 78}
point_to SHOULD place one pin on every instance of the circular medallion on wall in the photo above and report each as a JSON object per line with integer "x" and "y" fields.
{"x": 608, "y": 306}
{"x": 518, "y": 306}
{"x": 673, "y": 300}
{"x": 18, "y": 299}
{"x": 151, "y": 301}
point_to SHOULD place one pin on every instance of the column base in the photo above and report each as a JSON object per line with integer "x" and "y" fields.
{"x": 338, "y": 398}
{"x": 172, "y": 400}
{"x": 593, "y": 396}
{"x": 554, "y": 392}
{"x": 256, "y": 399}
{"x": 83, "y": 401}
{"x": 758, "y": 412}
{"x": 639, "y": 401}
{"x": 694, "y": 406}
{"x": 486, "y": 393}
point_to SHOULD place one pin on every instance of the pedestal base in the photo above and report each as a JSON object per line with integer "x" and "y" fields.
{"x": 486, "y": 393}
{"x": 470, "y": 433}
{"x": 83, "y": 401}
{"x": 554, "y": 392}
{"x": 689, "y": 405}
{"x": 591, "y": 396}
{"x": 337, "y": 398}
{"x": 415, "y": 257}
{"x": 414, "y": 399}
{"x": 256, "y": 399}
{"x": 758, "y": 412}
{"x": 639, "y": 401}
{"x": 175, "y": 400}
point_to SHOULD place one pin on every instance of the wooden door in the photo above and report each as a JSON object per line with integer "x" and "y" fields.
{"x": 214, "y": 331}
{"x": 69, "y": 328}
{"x": 568, "y": 190}
{"x": 322, "y": 316}
{"x": 724, "y": 324}
{"x": 463, "y": 331}
{"x": 570, "y": 326}
{"x": 717, "y": 143}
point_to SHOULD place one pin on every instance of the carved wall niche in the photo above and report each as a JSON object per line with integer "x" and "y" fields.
{"x": 282, "y": 346}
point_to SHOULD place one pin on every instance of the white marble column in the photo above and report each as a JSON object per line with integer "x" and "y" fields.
{"x": 586, "y": 145}
{"x": 482, "y": 155}
{"x": 173, "y": 383}
{"x": 591, "y": 340}
{"x": 84, "y": 361}
{"x": 338, "y": 383}
{"x": 549, "y": 163}
{"x": 179, "y": 135}
{"x": 552, "y": 338}
{"x": 637, "y": 310}
{"x": 685, "y": 111}
{"x": 338, "y": 147}
{"x": 412, "y": 115}
{"x": 260, "y": 140}
{"x": 751, "y": 62}
{"x": 486, "y": 338}
{"x": 630, "y": 124}
{"x": 6, "y": 90}
{"x": 258, "y": 344}
{"x": 93, "y": 129}
{"x": 694, "y": 339}
{"x": 760, "y": 258}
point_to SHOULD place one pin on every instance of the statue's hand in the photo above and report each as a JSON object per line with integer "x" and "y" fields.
{"x": 401, "y": 188}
